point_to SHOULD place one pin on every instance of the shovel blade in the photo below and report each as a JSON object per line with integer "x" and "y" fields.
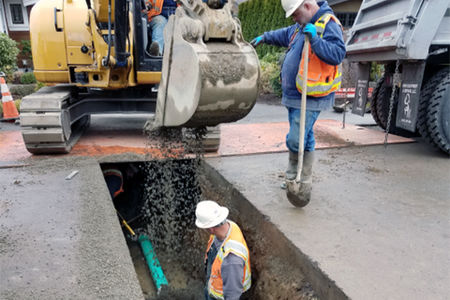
{"x": 298, "y": 194}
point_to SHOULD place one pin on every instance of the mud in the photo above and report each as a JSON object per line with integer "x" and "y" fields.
{"x": 159, "y": 200}
{"x": 167, "y": 216}
{"x": 182, "y": 285}
{"x": 276, "y": 271}
{"x": 170, "y": 189}
{"x": 227, "y": 68}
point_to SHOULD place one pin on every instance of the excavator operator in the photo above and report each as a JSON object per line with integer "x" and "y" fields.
{"x": 158, "y": 11}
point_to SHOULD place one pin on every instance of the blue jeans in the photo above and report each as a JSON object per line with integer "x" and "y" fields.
{"x": 156, "y": 27}
{"x": 294, "y": 129}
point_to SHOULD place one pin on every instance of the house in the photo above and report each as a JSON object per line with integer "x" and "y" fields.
{"x": 14, "y": 21}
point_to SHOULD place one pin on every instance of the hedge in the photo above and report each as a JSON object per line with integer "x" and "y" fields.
{"x": 8, "y": 54}
{"x": 258, "y": 16}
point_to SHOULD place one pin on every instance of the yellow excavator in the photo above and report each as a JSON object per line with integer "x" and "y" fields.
{"x": 92, "y": 53}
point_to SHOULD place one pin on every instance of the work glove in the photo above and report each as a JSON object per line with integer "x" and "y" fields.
{"x": 257, "y": 40}
{"x": 310, "y": 30}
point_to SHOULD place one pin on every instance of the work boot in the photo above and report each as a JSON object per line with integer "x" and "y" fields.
{"x": 291, "y": 171}
{"x": 154, "y": 49}
{"x": 306, "y": 178}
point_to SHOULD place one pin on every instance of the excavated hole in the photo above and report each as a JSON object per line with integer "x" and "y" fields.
{"x": 159, "y": 200}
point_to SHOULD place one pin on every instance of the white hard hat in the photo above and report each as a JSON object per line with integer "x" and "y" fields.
{"x": 209, "y": 214}
{"x": 290, "y": 6}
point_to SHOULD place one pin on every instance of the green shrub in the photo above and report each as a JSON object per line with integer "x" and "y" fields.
{"x": 258, "y": 16}
{"x": 17, "y": 103}
{"x": 25, "y": 45}
{"x": 21, "y": 90}
{"x": 27, "y": 78}
{"x": 376, "y": 71}
{"x": 39, "y": 86}
{"x": 270, "y": 73}
{"x": 14, "y": 77}
{"x": 8, "y": 54}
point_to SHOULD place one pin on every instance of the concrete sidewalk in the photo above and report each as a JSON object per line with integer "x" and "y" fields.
{"x": 378, "y": 221}
{"x": 61, "y": 239}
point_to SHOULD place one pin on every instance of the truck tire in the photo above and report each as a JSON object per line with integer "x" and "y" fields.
{"x": 373, "y": 101}
{"x": 425, "y": 96}
{"x": 438, "y": 112}
{"x": 382, "y": 105}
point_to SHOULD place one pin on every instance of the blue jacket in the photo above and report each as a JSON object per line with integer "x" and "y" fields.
{"x": 169, "y": 7}
{"x": 330, "y": 49}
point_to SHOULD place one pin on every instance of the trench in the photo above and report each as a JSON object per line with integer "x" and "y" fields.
{"x": 159, "y": 200}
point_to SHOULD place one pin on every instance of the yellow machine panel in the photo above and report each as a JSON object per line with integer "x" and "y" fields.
{"x": 101, "y": 9}
{"x": 78, "y": 37}
{"x": 207, "y": 75}
{"x": 47, "y": 41}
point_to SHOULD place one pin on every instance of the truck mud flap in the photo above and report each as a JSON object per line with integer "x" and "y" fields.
{"x": 361, "y": 90}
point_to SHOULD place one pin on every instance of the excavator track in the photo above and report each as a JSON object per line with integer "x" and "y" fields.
{"x": 45, "y": 121}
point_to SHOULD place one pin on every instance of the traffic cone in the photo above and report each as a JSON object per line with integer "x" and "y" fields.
{"x": 9, "y": 107}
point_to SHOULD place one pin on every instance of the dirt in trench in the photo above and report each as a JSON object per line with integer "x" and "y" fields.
{"x": 171, "y": 188}
{"x": 160, "y": 199}
{"x": 181, "y": 283}
{"x": 276, "y": 273}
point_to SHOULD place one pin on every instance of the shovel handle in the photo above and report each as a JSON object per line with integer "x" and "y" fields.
{"x": 301, "y": 141}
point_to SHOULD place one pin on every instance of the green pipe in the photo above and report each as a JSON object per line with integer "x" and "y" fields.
{"x": 152, "y": 262}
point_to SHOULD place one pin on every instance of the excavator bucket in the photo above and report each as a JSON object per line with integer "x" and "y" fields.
{"x": 210, "y": 74}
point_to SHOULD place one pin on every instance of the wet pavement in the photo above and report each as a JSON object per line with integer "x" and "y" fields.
{"x": 60, "y": 239}
{"x": 377, "y": 225}
{"x": 377, "y": 216}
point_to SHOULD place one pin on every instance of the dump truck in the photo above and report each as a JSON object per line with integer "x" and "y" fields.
{"x": 93, "y": 56}
{"x": 411, "y": 38}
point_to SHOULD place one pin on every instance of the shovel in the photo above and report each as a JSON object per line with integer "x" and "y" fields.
{"x": 297, "y": 194}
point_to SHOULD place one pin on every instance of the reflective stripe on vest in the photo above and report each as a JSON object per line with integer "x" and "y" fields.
{"x": 323, "y": 79}
{"x": 156, "y": 8}
{"x": 233, "y": 243}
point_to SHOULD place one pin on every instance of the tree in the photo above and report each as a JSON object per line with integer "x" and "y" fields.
{"x": 8, "y": 54}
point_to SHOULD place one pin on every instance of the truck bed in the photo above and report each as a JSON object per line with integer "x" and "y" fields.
{"x": 387, "y": 30}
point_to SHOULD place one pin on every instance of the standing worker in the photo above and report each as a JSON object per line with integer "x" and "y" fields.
{"x": 227, "y": 259}
{"x": 315, "y": 19}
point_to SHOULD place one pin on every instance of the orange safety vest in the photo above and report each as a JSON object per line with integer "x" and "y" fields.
{"x": 323, "y": 79}
{"x": 233, "y": 243}
{"x": 117, "y": 173}
{"x": 155, "y": 8}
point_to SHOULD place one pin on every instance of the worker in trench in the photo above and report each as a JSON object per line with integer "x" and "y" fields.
{"x": 327, "y": 50}
{"x": 125, "y": 189}
{"x": 227, "y": 258}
